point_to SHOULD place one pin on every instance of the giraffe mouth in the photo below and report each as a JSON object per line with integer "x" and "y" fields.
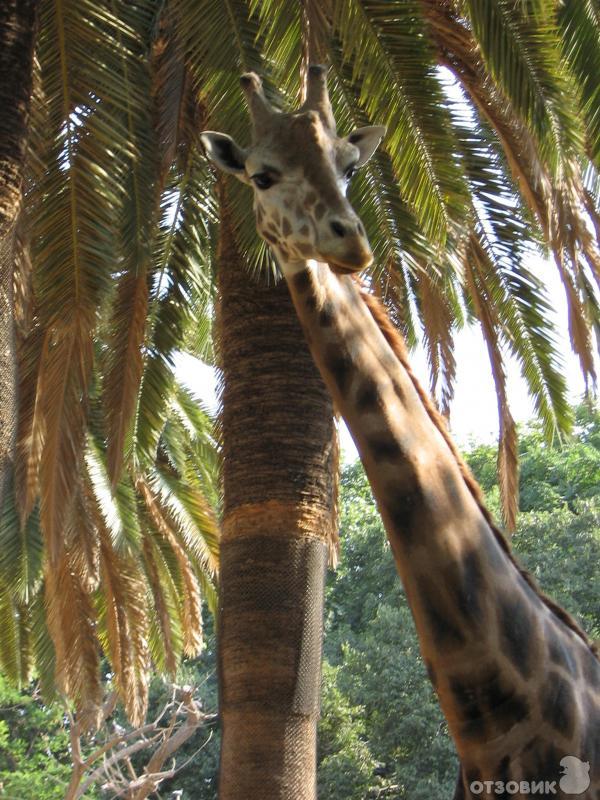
{"x": 344, "y": 269}
{"x": 339, "y": 269}
{"x": 354, "y": 258}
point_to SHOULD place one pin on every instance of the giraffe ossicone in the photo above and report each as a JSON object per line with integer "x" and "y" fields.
{"x": 300, "y": 169}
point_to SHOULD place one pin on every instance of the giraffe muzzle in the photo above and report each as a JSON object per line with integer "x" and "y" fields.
{"x": 353, "y": 256}
{"x": 346, "y": 248}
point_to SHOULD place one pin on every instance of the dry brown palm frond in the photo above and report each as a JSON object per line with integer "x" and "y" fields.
{"x": 64, "y": 376}
{"x": 579, "y": 328}
{"x": 125, "y": 364}
{"x": 31, "y": 422}
{"x": 163, "y": 617}
{"x": 437, "y": 319}
{"x": 508, "y": 457}
{"x": 22, "y": 280}
{"x": 81, "y": 537}
{"x": 123, "y": 617}
{"x": 192, "y": 600}
{"x": 71, "y": 619}
{"x": 171, "y": 86}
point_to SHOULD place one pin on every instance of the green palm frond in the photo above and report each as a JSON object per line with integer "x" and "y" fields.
{"x": 281, "y": 43}
{"x": 115, "y": 504}
{"x": 10, "y": 662}
{"x": 485, "y": 309}
{"x": 392, "y": 228}
{"x": 42, "y": 647}
{"x": 182, "y": 290}
{"x": 523, "y": 311}
{"x": 394, "y": 66}
{"x": 220, "y": 41}
{"x": 186, "y": 510}
{"x": 438, "y": 322}
{"x": 579, "y": 28}
{"x": 21, "y": 551}
{"x": 521, "y": 48}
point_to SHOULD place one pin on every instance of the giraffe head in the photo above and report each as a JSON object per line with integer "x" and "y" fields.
{"x": 299, "y": 170}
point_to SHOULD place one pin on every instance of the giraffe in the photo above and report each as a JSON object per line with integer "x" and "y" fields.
{"x": 517, "y": 680}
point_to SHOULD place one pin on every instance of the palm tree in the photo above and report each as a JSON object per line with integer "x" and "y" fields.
{"x": 493, "y": 148}
{"x": 109, "y": 540}
{"x": 17, "y": 29}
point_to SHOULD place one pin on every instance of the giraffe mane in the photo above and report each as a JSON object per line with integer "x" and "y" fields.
{"x": 396, "y": 342}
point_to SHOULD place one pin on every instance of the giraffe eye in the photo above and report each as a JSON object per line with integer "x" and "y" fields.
{"x": 262, "y": 180}
{"x": 349, "y": 172}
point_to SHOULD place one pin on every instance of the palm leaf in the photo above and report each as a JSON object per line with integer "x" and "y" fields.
{"x": 166, "y": 525}
{"x": 123, "y": 621}
{"x": 165, "y": 641}
{"x": 579, "y": 27}
{"x": 437, "y": 317}
{"x": 71, "y": 620}
{"x": 521, "y": 49}
{"x": 507, "y": 449}
{"x": 393, "y": 65}
{"x": 10, "y": 662}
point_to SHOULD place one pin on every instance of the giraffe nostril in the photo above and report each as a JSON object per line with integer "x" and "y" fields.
{"x": 360, "y": 229}
{"x": 338, "y": 228}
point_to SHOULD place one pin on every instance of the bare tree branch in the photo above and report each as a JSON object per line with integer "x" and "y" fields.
{"x": 116, "y": 773}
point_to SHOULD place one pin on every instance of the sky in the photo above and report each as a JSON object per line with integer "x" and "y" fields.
{"x": 474, "y": 411}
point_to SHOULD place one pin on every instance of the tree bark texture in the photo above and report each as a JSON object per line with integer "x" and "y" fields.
{"x": 17, "y": 36}
{"x": 279, "y": 501}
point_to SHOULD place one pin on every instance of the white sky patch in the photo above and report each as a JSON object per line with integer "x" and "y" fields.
{"x": 474, "y": 411}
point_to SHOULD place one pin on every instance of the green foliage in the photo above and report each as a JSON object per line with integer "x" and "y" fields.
{"x": 549, "y": 476}
{"x": 346, "y": 764}
{"x": 34, "y": 747}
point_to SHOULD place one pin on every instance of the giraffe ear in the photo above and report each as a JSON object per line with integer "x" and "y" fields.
{"x": 366, "y": 139}
{"x": 224, "y": 153}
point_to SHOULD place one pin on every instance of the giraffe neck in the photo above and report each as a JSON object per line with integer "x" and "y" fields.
{"x": 493, "y": 647}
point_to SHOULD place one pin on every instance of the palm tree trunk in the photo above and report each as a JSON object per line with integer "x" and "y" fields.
{"x": 279, "y": 500}
{"x": 17, "y": 34}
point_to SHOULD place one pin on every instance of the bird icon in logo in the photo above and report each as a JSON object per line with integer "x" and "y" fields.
{"x": 575, "y": 778}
